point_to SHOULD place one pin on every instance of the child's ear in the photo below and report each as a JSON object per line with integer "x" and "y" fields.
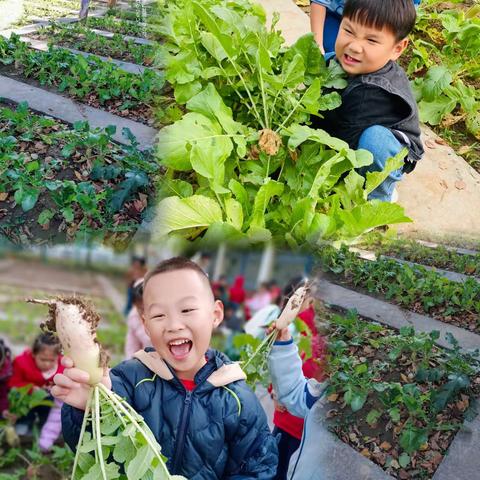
{"x": 218, "y": 313}
{"x": 399, "y": 48}
{"x": 142, "y": 316}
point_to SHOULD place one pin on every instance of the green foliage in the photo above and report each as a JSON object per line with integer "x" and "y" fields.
{"x": 406, "y": 285}
{"x": 258, "y": 170}
{"x": 412, "y": 404}
{"x": 81, "y": 77}
{"x": 22, "y": 399}
{"x": 36, "y": 154}
{"x": 445, "y": 64}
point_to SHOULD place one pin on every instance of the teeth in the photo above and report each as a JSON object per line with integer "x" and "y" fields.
{"x": 179, "y": 342}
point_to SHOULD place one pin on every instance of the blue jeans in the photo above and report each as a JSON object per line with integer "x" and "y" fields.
{"x": 381, "y": 142}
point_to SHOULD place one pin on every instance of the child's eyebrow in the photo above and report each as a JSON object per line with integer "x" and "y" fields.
{"x": 183, "y": 299}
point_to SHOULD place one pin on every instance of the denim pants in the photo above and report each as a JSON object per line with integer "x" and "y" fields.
{"x": 381, "y": 142}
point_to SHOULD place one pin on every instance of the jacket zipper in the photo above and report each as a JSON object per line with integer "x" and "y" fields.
{"x": 182, "y": 432}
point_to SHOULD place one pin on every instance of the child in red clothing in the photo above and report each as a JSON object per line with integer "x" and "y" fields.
{"x": 37, "y": 367}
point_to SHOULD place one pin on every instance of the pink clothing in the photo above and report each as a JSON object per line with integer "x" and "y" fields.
{"x": 137, "y": 338}
{"x": 258, "y": 301}
{"x": 52, "y": 427}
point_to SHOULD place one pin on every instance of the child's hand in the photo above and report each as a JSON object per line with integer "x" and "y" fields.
{"x": 283, "y": 335}
{"x": 72, "y": 387}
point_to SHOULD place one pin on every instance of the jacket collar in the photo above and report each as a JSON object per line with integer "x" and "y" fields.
{"x": 216, "y": 371}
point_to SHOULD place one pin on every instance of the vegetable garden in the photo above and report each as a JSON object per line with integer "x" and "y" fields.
{"x": 89, "y": 175}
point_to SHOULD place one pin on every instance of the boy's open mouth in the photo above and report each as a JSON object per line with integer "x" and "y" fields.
{"x": 350, "y": 60}
{"x": 180, "y": 348}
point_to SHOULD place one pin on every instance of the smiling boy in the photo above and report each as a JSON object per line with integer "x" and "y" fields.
{"x": 378, "y": 111}
{"x": 191, "y": 399}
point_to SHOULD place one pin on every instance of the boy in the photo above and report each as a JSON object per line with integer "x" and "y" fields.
{"x": 191, "y": 401}
{"x": 378, "y": 111}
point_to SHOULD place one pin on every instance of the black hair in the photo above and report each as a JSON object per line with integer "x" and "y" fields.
{"x": 141, "y": 260}
{"x": 137, "y": 291}
{"x": 48, "y": 340}
{"x": 398, "y": 16}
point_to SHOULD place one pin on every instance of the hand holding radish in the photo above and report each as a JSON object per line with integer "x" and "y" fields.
{"x": 73, "y": 385}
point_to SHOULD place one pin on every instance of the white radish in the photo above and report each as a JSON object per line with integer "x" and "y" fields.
{"x": 75, "y": 323}
{"x": 293, "y": 308}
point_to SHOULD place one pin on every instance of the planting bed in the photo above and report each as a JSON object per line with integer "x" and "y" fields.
{"x": 63, "y": 182}
{"x": 415, "y": 288}
{"x": 439, "y": 257}
{"x": 394, "y": 396}
{"x": 82, "y": 38}
{"x": 91, "y": 81}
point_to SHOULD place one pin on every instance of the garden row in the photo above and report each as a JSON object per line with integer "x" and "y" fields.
{"x": 64, "y": 179}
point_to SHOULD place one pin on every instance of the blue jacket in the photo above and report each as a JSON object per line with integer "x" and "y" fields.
{"x": 205, "y": 434}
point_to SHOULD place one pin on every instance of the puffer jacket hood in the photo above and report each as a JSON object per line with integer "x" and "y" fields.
{"x": 217, "y": 431}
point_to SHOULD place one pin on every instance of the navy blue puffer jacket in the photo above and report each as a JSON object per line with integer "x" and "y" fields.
{"x": 205, "y": 434}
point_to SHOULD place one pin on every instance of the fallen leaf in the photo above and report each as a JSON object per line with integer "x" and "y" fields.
{"x": 443, "y": 165}
{"x": 464, "y": 149}
{"x": 460, "y": 185}
{"x": 3, "y": 196}
{"x": 385, "y": 446}
{"x": 443, "y": 184}
{"x": 366, "y": 453}
{"x": 333, "y": 397}
{"x": 430, "y": 143}
{"x": 441, "y": 141}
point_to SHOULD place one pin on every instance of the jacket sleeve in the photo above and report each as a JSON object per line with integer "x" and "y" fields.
{"x": 294, "y": 391}
{"x": 72, "y": 417}
{"x": 18, "y": 378}
{"x": 253, "y": 452}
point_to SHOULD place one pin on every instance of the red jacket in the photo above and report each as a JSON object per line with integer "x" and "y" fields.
{"x": 26, "y": 372}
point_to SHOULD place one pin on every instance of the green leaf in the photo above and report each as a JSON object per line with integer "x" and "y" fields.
{"x": 197, "y": 212}
{"x": 413, "y": 438}
{"x": 123, "y": 192}
{"x": 373, "y": 417}
{"x": 45, "y": 216}
{"x": 404, "y": 460}
{"x": 368, "y": 216}
{"x": 438, "y": 78}
{"x": 175, "y": 141}
{"x": 433, "y": 112}
{"x": 265, "y": 193}
{"x": 374, "y": 179}
{"x": 448, "y": 392}
{"x": 234, "y": 213}
{"x": 139, "y": 465}
{"x": 301, "y": 133}
{"x": 358, "y": 401}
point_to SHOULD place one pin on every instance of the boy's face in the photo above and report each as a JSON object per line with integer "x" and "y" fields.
{"x": 361, "y": 49}
{"x": 180, "y": 313}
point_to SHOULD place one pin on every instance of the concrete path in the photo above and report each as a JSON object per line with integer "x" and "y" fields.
{"x": 392, "y": 315}
{"x": 442, "y": 195}
{"x": 111, "y": 292}
{"x": 70, "y": 111}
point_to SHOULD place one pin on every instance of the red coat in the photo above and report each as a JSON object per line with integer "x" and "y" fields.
{"x": 26, "y": 372}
